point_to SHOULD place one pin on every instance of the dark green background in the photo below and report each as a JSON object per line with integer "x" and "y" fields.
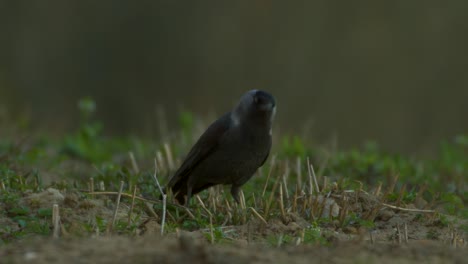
{"x": 391, "y": 71}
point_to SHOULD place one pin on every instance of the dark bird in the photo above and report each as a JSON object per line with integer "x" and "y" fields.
{"x": 230, "y": 150}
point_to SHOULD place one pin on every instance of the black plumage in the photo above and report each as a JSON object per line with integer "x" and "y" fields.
{"x": 230, "y": 150}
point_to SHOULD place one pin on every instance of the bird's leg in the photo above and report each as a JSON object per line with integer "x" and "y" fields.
{"x": 235, "y": 189}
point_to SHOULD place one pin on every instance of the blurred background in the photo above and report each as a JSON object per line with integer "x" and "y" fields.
{"x": 390, "y": 71}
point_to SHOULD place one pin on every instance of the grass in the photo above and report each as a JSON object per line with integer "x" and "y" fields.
{"x": 300, "y": 195}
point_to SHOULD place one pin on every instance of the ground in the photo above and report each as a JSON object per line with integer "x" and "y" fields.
{"x": 280, "y": 240}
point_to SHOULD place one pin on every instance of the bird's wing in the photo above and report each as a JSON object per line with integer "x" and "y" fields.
{"x": 206, "y": 144}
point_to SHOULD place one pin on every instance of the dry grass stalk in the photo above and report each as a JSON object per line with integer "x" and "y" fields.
{"x": 102, "y": 186}
{"x": 400, "y": 195}
{"x": 169, "y": 158}
{"x": 254, "y": 200}
{"x": 151, "y": 211}
{"x": 160, "y": 161}
{"x": 213, "y": 206}
{"x": 56, "y": 221}
{"x": 228, "y": 205}
{"x": 280, "y": 240}
{"x": 258, "y": 215}
{"x": 392, "y": 185}
{"x": 136, "y": 170}
{"x": 283, "y": 213}
{"x": 398, "y": 233}
{"x": 454, "y": 238}
{"x": 270, "y": 199}
{"x": 343, "y": 212}
{"x": 228, "y": 218}
{"x": 294, "y": 200}
{"x": 298, "y": 241}
{"x": 187, "y": 210}
{"x": 311, "y": 189}
{"x": 406, "y": 233}
{"x": 132, "y": 205}
{"x": 315, "y": 179}
{"x": 91, "y": 186}
{"x": 272, "y": 166}
{"x": 330, "y": 210}
{"x": 306, "y": 203}
{"x": 421, "y": 191}
{"x": 164, "y": 196}
{"x": 325, "y": 183}
{"x": 321, "y": 208}
{"x": 243, "y": 207}
{"x": 285, "y": 182}
{"x": 299, "y": 171}
{"x": 212, "y": 237}
{"x": 203, "y": 205}
{"x": 21, "y": 182}
{"x": 249, "y": 233}
{"x": 378, "y": 190}
{"x": 117, "y": 204}
{"x": 242, "y": 200}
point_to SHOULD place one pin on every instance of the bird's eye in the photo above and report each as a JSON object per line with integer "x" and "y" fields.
{"x": 256, "y": 100}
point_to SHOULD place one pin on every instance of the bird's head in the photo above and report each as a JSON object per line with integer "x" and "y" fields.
{"x": 257, "y": 106}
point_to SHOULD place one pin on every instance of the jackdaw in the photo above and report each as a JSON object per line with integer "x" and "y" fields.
{"x": 230, "y": 150}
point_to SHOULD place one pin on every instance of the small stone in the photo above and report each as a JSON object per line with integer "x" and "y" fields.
{"x": 420, "y": 203}
{"x": 350, "y": 230}
{"x": 385, "y": 215}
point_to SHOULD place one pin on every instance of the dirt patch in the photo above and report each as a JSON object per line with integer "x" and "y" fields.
{"x": 186, "y": 249}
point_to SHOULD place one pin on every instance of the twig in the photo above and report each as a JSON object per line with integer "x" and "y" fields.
{"x": 408, "y": 209}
